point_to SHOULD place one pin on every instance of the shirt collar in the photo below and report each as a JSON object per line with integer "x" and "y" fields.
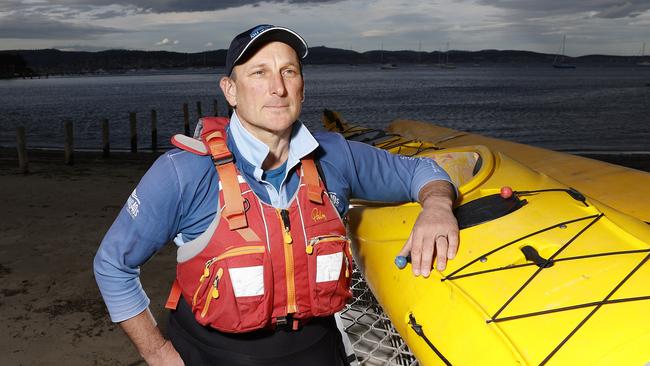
{"x": 255, "y": 151}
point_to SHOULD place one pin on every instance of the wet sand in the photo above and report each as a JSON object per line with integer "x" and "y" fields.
{"x": 52, "y": 222}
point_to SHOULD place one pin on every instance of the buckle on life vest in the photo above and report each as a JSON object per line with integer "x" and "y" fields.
{"x": 287, "y": 322}
{"x": 223, "y": 158}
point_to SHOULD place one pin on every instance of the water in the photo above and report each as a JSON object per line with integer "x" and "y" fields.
{"x": 604, "y": 109}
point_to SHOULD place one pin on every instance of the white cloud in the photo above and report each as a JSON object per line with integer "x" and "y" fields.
{"x": 164, "y": 42}
{"x": 177, "y": 42}
{"x": 209, "y": 44}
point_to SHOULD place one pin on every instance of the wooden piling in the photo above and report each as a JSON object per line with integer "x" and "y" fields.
{"x": 199, "y": 113}
{"x": 186, "y": 119}
{"x": 106, "y": 144}
{"x": 21, "y": 146}
{"x": 154, "y": 130}
{"x": 215, "y": 108}
{"x": 68, "y": 148}
{"x": 134, "y": 132}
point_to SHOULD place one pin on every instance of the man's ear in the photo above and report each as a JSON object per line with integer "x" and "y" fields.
{"x": 229, "y": 90}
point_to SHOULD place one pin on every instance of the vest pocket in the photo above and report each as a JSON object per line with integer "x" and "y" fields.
{"x": 330, "y": 269}
{"x": 235, "y": 290}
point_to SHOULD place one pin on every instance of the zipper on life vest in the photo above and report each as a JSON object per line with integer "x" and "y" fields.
{"x": 323, "y": 239}
{"x": 214, "y": 293}
{"x": 249, "y": 249}
{"x": 283, "y": 215}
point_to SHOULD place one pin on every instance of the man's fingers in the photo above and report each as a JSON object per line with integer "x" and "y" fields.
{"x": 416, "y": 254}
{"x": 406, "y": 249}
{"x": 427, "y": 258}
{"x": 441, "y": 252}
{"x": 453, "y": 241}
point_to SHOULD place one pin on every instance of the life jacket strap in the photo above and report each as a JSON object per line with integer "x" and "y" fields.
{"x": 233, "y": 205}
{"x": 174, "y": 296}
{"x": 310, "y": 173}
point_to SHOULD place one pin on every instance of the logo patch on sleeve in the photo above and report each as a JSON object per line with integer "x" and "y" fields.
{"x": 133, "y": 204}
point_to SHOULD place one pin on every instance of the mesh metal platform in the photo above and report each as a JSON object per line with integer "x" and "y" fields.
{"x": 374, "y": 339}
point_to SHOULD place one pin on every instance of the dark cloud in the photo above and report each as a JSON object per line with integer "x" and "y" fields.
{"x": 157, "y": 6}
{"x": 39, "y": 27}
{"x": 600, "y": 8}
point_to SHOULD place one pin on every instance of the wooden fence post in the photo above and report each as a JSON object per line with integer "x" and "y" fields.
{"x": 134, "y": 132}
{"x": 69, "y": 142}
{"x": 21, "y": 145}
{"x": 106, "y": 144}
{"x": 154, "y": 130}
{"x": 186, "y": 119}
{"x": 215, "y": 108}
{"x": 199, "y": 113}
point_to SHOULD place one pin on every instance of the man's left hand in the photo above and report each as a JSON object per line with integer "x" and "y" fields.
{"x": 435, "y": 231}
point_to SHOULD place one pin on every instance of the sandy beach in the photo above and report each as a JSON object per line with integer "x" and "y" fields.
{"x": 52, "y": 223}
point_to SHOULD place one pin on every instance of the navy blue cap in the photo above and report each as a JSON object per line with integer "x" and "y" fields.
{"x": 246, "y": 43}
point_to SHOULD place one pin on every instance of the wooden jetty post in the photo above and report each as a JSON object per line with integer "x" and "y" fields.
{"x": 215, "y": 108}
{"x": 106, "y": 144}
{"x": 21, "y": 145}
{"x": 154, "y": 130}
{"x": 186, "y": 119}
{"x": 134, "y": 132}
{"x": 199, "y": 113}
{"x": 68, "y": 148}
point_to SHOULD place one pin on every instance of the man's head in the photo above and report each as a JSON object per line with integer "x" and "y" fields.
{"x": 264, "y": 81}
{"x": 245, "y": 44}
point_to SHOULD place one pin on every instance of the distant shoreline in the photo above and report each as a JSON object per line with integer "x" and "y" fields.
{"x": 31, "y": 63}
{"x": 639, "y": 160}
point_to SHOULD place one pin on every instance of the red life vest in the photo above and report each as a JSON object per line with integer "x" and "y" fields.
{"x": 263, "y": 265}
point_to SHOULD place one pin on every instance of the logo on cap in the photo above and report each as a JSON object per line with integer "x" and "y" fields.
{"x": 259, "y": 29}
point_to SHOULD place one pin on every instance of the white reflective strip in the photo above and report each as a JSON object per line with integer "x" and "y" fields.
{"x": 247, "y": 281}
{"x": 328, "y": 267}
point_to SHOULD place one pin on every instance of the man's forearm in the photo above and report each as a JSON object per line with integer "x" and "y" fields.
{"x": 144, "y": 334}
{"x": 437, "y": 192}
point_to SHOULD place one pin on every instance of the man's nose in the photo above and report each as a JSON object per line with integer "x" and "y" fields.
{"x": 277, "y": 84}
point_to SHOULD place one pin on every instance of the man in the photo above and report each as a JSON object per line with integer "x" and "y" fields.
{"x": 185, "y": 198}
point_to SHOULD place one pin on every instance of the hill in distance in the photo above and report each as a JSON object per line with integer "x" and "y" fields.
{"x": 25, "y": 63}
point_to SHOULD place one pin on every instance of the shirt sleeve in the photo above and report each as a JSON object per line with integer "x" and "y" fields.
{"x": 148, "y": 220}
{"x": 378, "y": 175}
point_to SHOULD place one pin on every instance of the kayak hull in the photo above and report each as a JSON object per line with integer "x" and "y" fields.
{"x": 456, "y": 308}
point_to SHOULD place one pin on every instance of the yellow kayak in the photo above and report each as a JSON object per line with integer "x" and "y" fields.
{"x": 624, "y": 188}
{"x": 545, "y": 276}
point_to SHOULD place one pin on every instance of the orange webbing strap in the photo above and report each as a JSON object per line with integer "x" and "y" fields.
{"x": 310, "y": 173}
{"x": 174, "y": 296}
{"x": 248, "y": 234}
{"x": 233, "y": 203}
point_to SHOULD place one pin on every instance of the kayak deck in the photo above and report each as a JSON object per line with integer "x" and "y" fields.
{"x": 542, "y": 282}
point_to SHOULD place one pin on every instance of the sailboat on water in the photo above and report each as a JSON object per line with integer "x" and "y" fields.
{"x": 446, "y": 64}
{"x": 643, "y": 62}
{"x": 381, "y": 60}
{"x": 561, "y": 63}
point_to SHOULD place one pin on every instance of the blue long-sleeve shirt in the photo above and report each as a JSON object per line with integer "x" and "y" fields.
{"x": 178, "y": 197}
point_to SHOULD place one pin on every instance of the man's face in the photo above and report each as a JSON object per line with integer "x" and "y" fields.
{"x": 267, "y": 90}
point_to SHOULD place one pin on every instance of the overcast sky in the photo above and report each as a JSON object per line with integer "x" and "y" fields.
{"x": 591, "y": 26}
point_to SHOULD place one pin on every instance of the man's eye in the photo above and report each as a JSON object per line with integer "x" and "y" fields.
{"x": 258, "y": 72}
{"x": 290, "y": 72}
